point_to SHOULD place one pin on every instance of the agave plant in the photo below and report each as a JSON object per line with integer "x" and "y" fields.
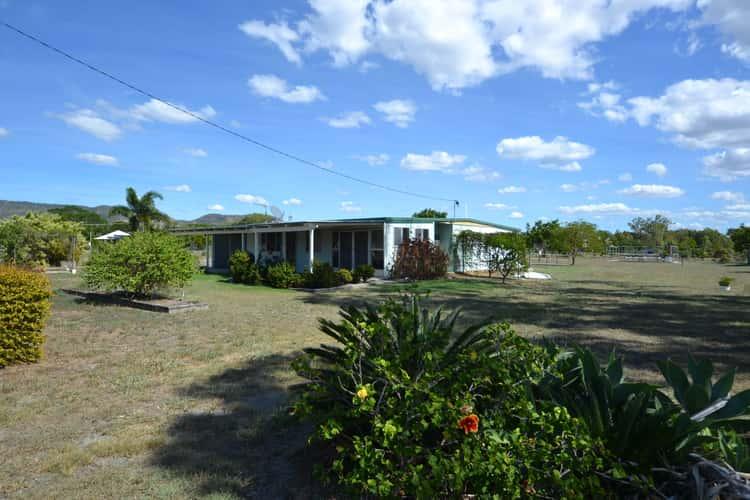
{"x": 397, "y": 334}
{"x": 638, "y": 421}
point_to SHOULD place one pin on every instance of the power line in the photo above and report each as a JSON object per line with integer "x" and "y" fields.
{"x": 218, "y": 126}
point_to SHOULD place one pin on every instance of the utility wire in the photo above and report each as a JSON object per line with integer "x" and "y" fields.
{"x": 218, "y": 126}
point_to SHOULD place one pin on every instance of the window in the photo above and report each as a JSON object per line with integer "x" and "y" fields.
{"x": 400, "y": 234}
{"x": 335, "y": 249}
{"x": 422, "y": 234}
{"x": 270, "y": 242}
{"x": 376, "y": 249}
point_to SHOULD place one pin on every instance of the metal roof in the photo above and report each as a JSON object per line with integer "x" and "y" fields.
{"x": 302, "y": 225}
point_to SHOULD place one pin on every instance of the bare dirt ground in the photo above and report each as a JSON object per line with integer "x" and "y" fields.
{"x": 134, "y": 404}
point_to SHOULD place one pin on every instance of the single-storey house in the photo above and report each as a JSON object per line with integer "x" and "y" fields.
{"x": 344, "y": 243}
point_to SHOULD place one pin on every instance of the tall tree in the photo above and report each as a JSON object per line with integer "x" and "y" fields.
{"x": 741, "y": 238}
{"x": 430, "y": 213}
{"x": 579, "y": 236}
{"x": 140, "y": 212}
{"x": 650, "y": 231}
{"x": 543, "y": 235}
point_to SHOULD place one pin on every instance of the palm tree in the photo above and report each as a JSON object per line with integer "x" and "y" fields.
{"x": 140, "y": 212}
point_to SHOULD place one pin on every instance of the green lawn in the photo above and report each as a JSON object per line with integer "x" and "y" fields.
{"x": 129, "y": 403}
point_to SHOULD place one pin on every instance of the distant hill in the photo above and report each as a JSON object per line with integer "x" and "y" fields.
{"x": 213, "y": 219}
{"x": 9, "y": 208}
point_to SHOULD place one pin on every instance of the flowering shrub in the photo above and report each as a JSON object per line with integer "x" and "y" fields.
{"x": 410, "y": 407}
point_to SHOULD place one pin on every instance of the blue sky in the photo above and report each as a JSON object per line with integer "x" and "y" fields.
{"x": 521, "y": 110}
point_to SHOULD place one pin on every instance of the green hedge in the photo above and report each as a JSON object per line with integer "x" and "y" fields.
{"x": 24, "y": 304}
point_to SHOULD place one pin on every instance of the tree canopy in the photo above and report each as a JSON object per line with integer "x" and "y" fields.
{"x": 254, "y": 218}
{"x": 141, "y": 212}
{"x": 78, "y": 214}
{"x": 430, "y": 213}
{"x": 40, "y": 239}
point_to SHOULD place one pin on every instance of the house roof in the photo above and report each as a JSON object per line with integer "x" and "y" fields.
{"x": 301, "y": 225}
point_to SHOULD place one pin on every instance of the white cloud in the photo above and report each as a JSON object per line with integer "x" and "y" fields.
{"x": 351, "y": 119}
{"x": 728, "y": 196}
{"x": 90, "y": 122}
{"x": 349, "y": 206}
{"x": 4, "y": 132}
{"x": 460, "y": 43}
{"x": 705, "y": 114}
{"x": 573, "y": 166}
{"x": 479, "y": 173}
{"x": 235, "y": 124}
{"x": 438, "y": 161}
{"x": 652, "y": 191}
{"x": 252, "y": 199}
{"x": 196, "y": 152}
{"x": 516, "y": 215}
{"x": 398, "y": 111}
{"x": 625, "y": 177}
{"x": 216, "y": 207}
{"x": 731, "y": 17}
{"x": 159, "y": 111}
{"x": 511, "y": 189}
{"x": 728, "y": 165}
{"x": 275, "y": 87}
{"x": 558, "y": 153}
{"x": 739, "y": 206}
{"x": 98, "y": 159}
{"x": 600, "y": 208}
{"x": 279, "y": 34}
{"x": 292, "y": 201}
{"x": 374, "y": 159}
{"x": 181, "y": 188}
{"x": 497, "y": 206}
{"x": 605, "y": 104}
{"x": 657, "y": 168}
{"x": 582, "y": 186}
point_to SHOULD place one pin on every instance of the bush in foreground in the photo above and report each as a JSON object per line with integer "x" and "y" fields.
{"x": 409, "y": 406}
{"x": 140, "y": 265}
{"x": 414, "y": 408}
{"x": 24, "y": 304}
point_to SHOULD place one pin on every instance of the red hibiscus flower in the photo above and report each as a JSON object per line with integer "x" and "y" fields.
{"x": 469, "y": 423}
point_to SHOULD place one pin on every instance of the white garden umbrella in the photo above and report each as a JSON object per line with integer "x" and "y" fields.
{"x": 114, "y": 235}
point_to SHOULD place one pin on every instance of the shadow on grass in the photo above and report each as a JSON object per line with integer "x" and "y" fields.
{"x": 250, "y": 447}
{"x": 645, "y": 323}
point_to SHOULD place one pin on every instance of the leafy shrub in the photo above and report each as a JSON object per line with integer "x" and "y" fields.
{"x": 140, "y": 264}
{"x": 363, "y": 272}
{"x": 419, "y": 260}
{"x": 239, "y": 264}
{"x": 344, "y": 276}
{"x": 322, "y": 275}
{"x": 281, "y": 275}
{"x": 414, "y": 408}
{"x": 24, "y": 304}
